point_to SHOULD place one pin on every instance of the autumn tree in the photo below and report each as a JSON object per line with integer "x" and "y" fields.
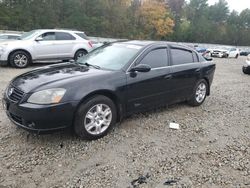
{"x": 154, "y": 21}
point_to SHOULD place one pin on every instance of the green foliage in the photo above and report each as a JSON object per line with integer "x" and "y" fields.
{"x": 177, "y": 20}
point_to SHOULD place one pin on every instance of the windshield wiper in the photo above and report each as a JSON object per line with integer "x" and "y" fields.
{"x": 90, "y": 65}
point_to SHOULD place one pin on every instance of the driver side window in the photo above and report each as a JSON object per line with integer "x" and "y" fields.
{"x": 156, "y": 58}
{"x": 48, "y": 36}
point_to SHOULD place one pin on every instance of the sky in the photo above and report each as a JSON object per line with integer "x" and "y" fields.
{"x": 237, "y": 5}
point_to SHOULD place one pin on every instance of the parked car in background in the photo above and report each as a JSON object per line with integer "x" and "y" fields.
{"x": 110, "y": 83}
{"x": 224, "y": 52}
{"x": 44, "y": 45}
{"x": 245, "y": 52}
{"x": 246, "y": 68}
{"x": 200, "y": 50}
{"x": 9, "y": 36}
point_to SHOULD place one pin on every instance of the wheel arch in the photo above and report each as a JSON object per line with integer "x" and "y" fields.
{"x": 107, "y": 93}
{"x": 208, "y": 84}
{"x": 81, "y": 49}
{"x": 13, "y": 51}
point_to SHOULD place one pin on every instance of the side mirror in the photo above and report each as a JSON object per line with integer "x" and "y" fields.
{"x": 141, "y": 68}
{"x": 39, "y": 39}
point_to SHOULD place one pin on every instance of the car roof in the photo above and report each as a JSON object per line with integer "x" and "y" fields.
{"x": 59, "y": 30}
{"x": 149, "y": 43}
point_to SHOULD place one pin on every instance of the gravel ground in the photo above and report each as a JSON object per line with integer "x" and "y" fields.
{"x": 211, "y": 149}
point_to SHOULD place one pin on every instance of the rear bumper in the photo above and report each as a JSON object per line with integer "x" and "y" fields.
{"x": 40, "y": 118}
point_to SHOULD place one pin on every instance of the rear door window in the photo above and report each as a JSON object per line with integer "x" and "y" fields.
{"x": 156, "y": 58}
{"x": 181, "y": 56}
{"x": 64, "y": 36}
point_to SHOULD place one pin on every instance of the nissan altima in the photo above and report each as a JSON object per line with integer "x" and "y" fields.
{"x": 110, "y": 83}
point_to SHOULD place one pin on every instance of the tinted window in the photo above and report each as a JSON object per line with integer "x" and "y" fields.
{"x": 3, "y": 37}
{"x": 82, "y": 35}
{"x": 49, "y": 36}
{"x": 13, "y": 37}
{"x": 156, "y": 58}
{"x": 181, "y": 56}
{"x": 64, "y": 36}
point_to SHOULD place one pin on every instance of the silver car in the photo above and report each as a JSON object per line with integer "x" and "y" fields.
{"x": 9, "y": 36}
{"x": 44, "y": 45}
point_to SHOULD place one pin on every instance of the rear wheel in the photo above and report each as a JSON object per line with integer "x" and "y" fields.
{"x": 20, "y": 59}
{"x": 237, "y": 56}
{"x": 95, "y": 117}
{"x": 79, "y": 54}
{"x": 199, "y": 93}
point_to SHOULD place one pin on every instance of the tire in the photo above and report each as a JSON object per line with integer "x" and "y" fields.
{"x": 20, "y": 59}
{"x": 88, "y": 124}
{"x": 236, "y": 57}
{"x": 246, "y": 70}
{"x": 201, "y": 89}
{"x": 79, "y": 54}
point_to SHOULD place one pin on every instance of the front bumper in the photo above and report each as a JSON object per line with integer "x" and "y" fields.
{"x": 40, "y": 118}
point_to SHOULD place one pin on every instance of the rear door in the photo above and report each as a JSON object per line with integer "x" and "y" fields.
{"x": 146, "y": 90}
{"x": 65, "y": 44}
{"x": 186, "y": 70}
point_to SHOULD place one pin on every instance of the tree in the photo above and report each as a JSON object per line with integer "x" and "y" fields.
{"x": 154, "y": 21}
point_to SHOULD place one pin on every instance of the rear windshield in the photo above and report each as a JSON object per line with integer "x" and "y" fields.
{"x": 113, "y": 57}
{"x": 83, "y": 36}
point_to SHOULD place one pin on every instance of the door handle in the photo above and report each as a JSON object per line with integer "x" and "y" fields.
{"x": 198, "y": 70}
{"x": 168, "y": 77}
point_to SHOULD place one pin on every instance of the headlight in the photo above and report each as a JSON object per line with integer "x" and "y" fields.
{"x": 49, "y": 96}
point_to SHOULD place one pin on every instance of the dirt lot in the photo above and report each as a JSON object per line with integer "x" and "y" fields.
{"x": 211, "y": 149}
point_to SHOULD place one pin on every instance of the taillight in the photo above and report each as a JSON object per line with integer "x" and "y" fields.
{"x": 90, "y": 44}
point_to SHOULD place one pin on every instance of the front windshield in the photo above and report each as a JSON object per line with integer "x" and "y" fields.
{"x": 28, "y": 35}
{"x": 114, "y": 56}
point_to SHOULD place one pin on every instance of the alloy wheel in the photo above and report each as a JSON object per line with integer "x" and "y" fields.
{"x": 21, "y": 60}
{"x": 98, "y": 119}
{"x": 201, "y": 92}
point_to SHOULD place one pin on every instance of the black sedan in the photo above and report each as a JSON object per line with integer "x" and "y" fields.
{"x": 110, "y": 83}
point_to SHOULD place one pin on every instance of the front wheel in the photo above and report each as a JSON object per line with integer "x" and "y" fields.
{"x": 95, "y": 117}
{"x": 199, "y": 93}
{"x": 20, "y": 59}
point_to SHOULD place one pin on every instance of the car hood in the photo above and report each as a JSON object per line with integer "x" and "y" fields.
{"x": 12, "y": 42}
{"x": 44, "y": 76}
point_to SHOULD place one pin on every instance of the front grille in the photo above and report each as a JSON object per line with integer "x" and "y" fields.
{"x": 16, "y": 119}
{"x": 14, "y": 94}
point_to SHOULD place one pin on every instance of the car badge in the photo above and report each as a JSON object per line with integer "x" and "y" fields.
{"x": 11, "y": 90}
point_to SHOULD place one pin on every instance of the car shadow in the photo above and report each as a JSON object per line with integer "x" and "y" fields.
{"x": 68, "y": 135}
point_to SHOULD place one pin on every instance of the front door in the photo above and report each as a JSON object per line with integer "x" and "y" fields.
{"x": 147, "y": 90}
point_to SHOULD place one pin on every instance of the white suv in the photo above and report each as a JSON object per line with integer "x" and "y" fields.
{"x": 44, "y": 45}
